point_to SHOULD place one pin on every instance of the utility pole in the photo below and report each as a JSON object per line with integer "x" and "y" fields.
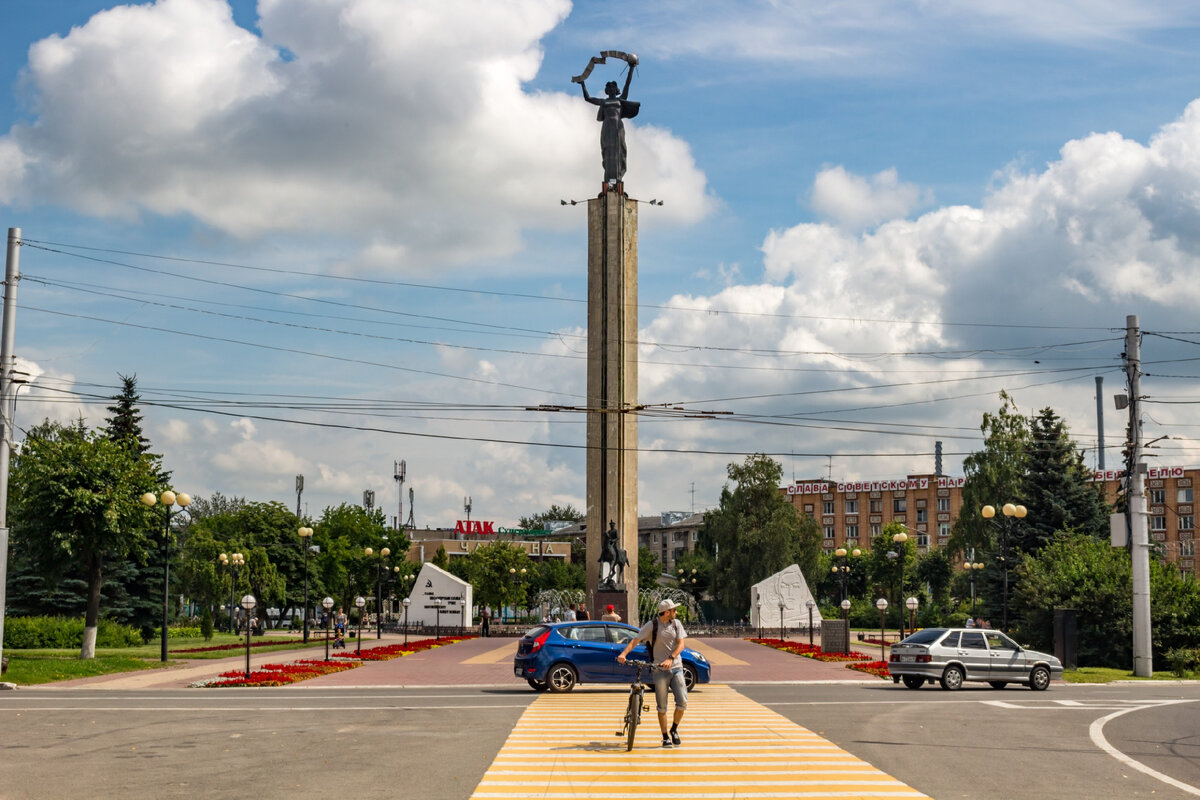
{"x": 12, "y": 276}
{"x": 1143, "y": 666}
{"x": 400, "y": 468}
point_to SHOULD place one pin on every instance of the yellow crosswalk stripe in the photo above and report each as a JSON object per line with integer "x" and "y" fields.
{"x": 564, "y": 748}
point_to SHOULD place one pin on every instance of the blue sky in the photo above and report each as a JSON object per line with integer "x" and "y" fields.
{"x": 328, "y": 236}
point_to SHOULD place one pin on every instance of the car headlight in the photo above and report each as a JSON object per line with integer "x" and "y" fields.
{"x": 701, "y": 658}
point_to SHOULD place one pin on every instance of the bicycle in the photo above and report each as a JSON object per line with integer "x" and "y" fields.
{"x": 633, "y": 711}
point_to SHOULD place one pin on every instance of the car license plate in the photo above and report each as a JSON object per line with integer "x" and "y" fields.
{"x": 908, "y": 658}
{"x": 517, "y": 671}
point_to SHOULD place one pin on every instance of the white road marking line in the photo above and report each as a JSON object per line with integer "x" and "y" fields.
{"x": 1096, "y": 732}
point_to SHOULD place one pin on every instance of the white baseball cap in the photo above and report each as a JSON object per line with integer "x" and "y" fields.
{"x": 667, "y": 605}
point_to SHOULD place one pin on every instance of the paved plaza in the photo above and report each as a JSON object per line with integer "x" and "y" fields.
{"x": 452, "y": 723}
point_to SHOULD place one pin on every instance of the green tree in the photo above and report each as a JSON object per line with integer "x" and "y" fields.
{"x": 648, "y": 569}
{"x": 1057, "y": 488}
{"x": 1081, "y": 572}
{"x": 993, "y": 475}
{"x": 555, "y": 513}
{"x": 755, "y": 532}
{"x": 498, "y": 580}
{"x": 124, "y": 420}
{"x": 75, "y": 503}
{"x": 935, "y": 570}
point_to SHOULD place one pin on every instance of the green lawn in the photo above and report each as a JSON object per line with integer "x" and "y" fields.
{"x": 1108, "y": 675}
{"x": 31, "y": 667}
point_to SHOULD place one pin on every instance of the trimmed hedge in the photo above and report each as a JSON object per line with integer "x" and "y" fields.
{"x": 25, "y": 633}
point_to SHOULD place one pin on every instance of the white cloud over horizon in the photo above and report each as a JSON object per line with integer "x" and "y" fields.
{"x": 361, "y": 117}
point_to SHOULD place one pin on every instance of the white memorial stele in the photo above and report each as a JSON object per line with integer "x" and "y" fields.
{"x": 787, "y": 585}
{"x": 434, "y": 583}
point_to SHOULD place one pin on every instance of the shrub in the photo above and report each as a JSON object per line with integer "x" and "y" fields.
{"x": 206, "y": 625}
{"x": 23, "y": 633}
{"x": 1183, "y": 660}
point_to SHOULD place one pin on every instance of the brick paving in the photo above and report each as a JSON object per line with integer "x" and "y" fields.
{"x": 481, "y": 662}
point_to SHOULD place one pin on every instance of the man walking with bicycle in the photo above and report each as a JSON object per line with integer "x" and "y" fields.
{"x": 664, "y": 635}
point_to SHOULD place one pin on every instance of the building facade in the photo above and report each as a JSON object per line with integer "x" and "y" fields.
{"x": 851, "y": 514}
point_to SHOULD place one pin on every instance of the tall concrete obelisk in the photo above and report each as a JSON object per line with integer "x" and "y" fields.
{"x": 612, "y": 465}
{"x": 612, "y": 459}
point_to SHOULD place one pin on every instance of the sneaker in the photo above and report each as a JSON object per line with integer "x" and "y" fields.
{"x": 674, "y": 737}
{"x": 667, "y": 740}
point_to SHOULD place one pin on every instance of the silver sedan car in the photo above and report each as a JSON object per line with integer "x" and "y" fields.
{"x": 953, "y": 655}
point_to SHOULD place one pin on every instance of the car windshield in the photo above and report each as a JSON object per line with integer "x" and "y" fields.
{"x": 927, "y": 636}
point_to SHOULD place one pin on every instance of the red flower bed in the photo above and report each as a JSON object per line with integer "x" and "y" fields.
{"x": 238, "y": 646}
{"x": 278, "y": 674}
{"x": 389, "y": 651}
{"x": 879, "y": 668}
{"x": 809, "y": 650}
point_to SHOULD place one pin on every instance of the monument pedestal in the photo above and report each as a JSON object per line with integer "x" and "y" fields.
{"x": 612, "y": 473}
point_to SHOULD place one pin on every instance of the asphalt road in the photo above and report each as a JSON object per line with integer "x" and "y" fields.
{"x": 1069, "y": 742}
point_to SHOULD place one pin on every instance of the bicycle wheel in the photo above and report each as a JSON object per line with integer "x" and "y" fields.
{"x": 632, "y": 716}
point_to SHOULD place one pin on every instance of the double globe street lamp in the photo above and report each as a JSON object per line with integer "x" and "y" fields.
{"x": 168, "y": 499}
{"x": 842, "y": 567}
{"x": 1012, "y": 513}
{"x": 383, "y": 553}
{"x": 234, "y": 562}
{"x": 899, "y": 540}
{"x": 972, "y": 566}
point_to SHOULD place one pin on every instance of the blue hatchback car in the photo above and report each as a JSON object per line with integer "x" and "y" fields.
{"x": 559, "y": 656}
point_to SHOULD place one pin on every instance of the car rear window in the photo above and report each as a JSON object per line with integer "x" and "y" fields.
{"x": 951, "y": 640}
{"x": 927, "y": 636}
{"x": 536, "y": 632}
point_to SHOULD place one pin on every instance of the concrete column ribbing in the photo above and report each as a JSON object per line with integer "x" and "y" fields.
{"x": 612, "y": 467}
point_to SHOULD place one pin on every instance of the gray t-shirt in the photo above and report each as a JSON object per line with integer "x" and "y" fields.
{"x": 668, "y": 636}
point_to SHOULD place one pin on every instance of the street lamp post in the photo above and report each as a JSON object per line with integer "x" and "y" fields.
{"x": 758, "y": 608}
{"x": 842, "y": 567}
{"x": 882, "y": 605}
{"x": 361, "y": 603}
{"x": 1011, "y": 514}
{"x": 518, "y": 576}
{"x": 406, "y": 603}
{"x": 911, "y": 603}
{"x": 305, "y": 537}
{"x": 781, "y": 620}
{"x": 383, "y": 553}
{"x": 899, "y": 540}
{"x": 972, "y": 566}
{"x": 437, "y": 604}
{"x": 168, "y": 499}
{"x": 223, "y": 560}
{"x": 248, "y": 603}
{"x": 810, "y": 605}
{"x": 327, "y": 604}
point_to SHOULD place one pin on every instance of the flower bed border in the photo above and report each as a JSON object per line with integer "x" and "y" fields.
{"x": 856, "y": 661}
{"x": 388, "y": 652}
{"x": 276, "y": 674}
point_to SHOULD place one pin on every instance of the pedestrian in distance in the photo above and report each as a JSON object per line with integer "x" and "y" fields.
{"x": 485, "y": 626}
{"x": 569, "y": 614}
{"x": 970, "y": 623}
{"x": 581, "y": 612}
{"x": 610, "y": 614}
{"x": 665, "y": 637}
